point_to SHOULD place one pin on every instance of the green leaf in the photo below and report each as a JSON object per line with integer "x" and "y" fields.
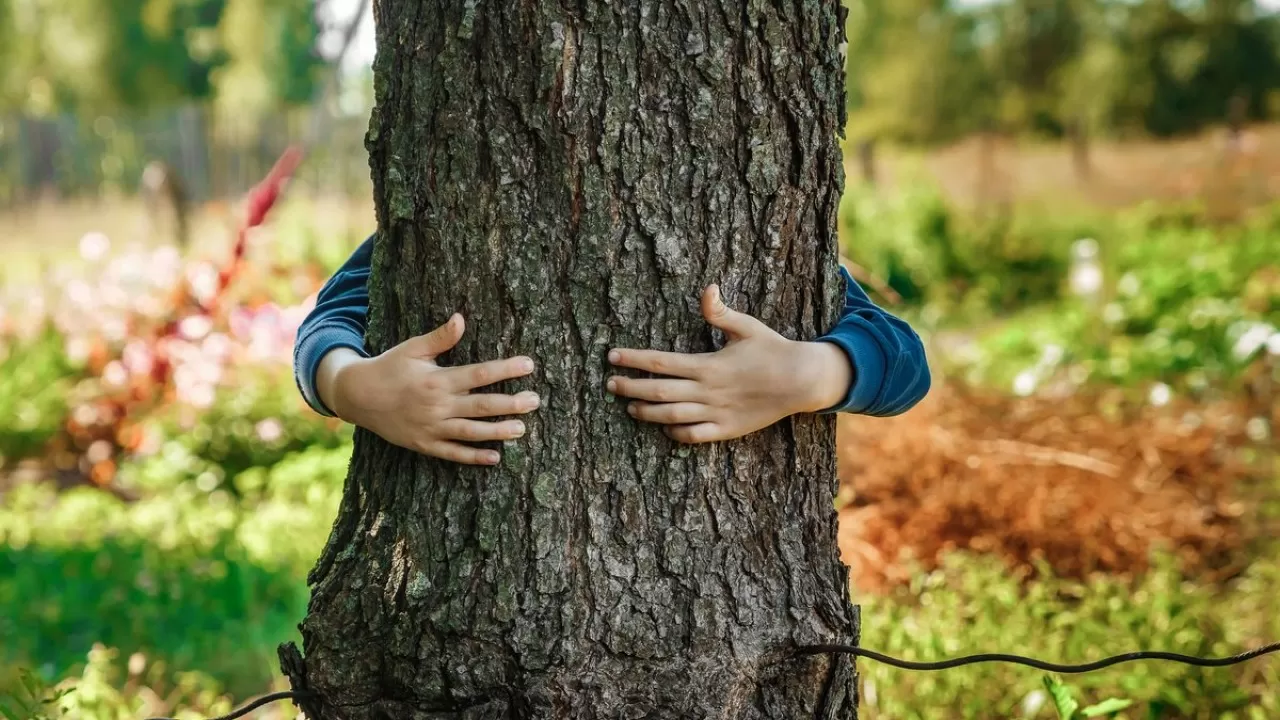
{"x": 31, "y": 684}
{"x": 1106, "y": 707}
{"x": 1062, "y": 700}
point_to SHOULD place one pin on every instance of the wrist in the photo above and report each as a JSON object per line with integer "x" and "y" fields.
{"x": 825, "y": 374}
{"x": 332, "y": 378}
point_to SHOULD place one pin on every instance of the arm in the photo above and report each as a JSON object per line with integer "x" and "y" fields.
{"x": 891, "y": 372}
{"x": 338, "y": 321}
{"x": 870, "y": 363}
{"x": 402, "y": 395}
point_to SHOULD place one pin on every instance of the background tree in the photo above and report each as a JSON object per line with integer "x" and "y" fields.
{"x": 570, "y": 177}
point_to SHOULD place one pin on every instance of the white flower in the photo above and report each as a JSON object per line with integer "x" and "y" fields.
{"x": 1273, "y": 344}
{"x": 93, "y": 246}
{"x": 115, "y": 375}
{"x": 1160, "y": 394}
{"x": 269, "y": 430}
{"x": 203, "y": 278}
{"x": 77, "y": 349}
{"x": 194, "y": 327}
{"x": 1257, "y": 429}
{"x": 1086, "y": 279}
{"x": 1025, "y": 383}
{"x": 1032, "y": 703}
{"x": 1252, "y": 340}
{"x": 1052, "y": 354}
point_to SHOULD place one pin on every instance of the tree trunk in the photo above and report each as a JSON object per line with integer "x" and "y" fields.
{"x": 569, "y": 176}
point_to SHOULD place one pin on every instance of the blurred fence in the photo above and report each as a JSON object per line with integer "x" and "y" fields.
{"x": 73, "y": 156}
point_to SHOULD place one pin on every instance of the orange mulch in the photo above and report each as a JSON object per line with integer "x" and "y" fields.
{"x": 1029, "y": 478}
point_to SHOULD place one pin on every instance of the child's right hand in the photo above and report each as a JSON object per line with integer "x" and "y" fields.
{"x": 407, "y": 399}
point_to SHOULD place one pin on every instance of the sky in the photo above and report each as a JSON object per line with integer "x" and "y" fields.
{"x": 361, "y": 54}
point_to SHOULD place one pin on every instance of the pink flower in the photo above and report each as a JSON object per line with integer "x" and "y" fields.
{"x": 138, "y": 358}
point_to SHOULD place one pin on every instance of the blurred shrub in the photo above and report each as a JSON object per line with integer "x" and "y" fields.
{"x": 255, "y": 423}
{"x": 929, "y": 253}
{"x": 973, "y": 604}
{"x": 104, "y": 688}
{"x": 35, "y": 379}
{"x": 197, "y": 579}
{"x": 1185, "y": 304}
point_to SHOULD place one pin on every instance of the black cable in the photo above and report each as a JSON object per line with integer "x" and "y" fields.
{"x": 264, "y": 700}
{"x": 1039, "y": 664}
{"x": 922, "y": 666}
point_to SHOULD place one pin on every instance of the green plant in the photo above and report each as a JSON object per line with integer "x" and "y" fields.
{"x": 972, "y": 603}
{"x": 1064, "y": 702}
{"x": 35, "y": 379}
{"x": 25, "y": 696}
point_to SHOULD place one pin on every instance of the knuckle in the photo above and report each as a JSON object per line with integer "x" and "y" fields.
{"x": 482, "y": 375}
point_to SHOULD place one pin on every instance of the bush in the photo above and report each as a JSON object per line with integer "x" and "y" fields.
{"x": 929, "y": 253}
{"x": 35, "y": 379}
{"x": 199, "y": 580}
{"x": 1187, "y": 305}
{"x": 972, "y": 604}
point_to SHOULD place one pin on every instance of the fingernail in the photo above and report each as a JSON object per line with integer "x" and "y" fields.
{"x": 526, "y": 365}
{"x": 614, "y": 356}
{"x": 612, "y": 385}
{"x": 492, "y": 458}
{"x": 631, "y": 409}
{"x": 533, "y": 401}
{"x": 519, "y": 429}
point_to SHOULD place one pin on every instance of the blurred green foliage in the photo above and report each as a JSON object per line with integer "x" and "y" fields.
{"x": 973, "y": 604}
{"x": 88, "y": 56}
{"x": 35, "y": 380}
{"x": 1183, "y": 301}
{"x": 931, "y": 71}
{"x": 206, "y": 580}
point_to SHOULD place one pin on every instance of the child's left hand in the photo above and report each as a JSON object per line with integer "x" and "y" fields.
{"x": 755, "y": 380}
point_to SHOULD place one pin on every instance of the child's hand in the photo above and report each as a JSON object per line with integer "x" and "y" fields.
{"x": 757, "y": 379}
{"x": 409, "y": 400}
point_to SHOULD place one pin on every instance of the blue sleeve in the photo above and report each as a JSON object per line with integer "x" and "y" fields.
{"x": 890, "y": 371}
{"x": 338, "y": 320}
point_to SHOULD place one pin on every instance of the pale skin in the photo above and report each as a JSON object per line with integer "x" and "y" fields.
{"x": 755, "y": 380}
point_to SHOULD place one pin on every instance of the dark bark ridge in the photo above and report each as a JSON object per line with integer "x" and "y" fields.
{"x": 569, "y": 175}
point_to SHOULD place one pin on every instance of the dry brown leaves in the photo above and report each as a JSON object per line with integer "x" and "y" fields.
{"x": 1047, "y": 478}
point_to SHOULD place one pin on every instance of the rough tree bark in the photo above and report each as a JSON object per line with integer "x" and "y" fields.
{"x": 569, "y": 175}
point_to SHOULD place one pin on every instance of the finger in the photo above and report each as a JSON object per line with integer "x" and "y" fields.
{"x": 670, "y": 413}
{"x": 661, "y": 390}
{"x": 476, "y": 431}
{"x": 734, "y": 323}
{"x": 463, "y": 454}
{"x": 480, "y": 405}
{"x": 705, "y": 432}
{"x": 470, "y": 377}
{"x": 438, "y": 341}
{"x": 658, "y": 362}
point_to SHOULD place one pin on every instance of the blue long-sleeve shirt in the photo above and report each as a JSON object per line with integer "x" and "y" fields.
{"x": 890, "y": 372}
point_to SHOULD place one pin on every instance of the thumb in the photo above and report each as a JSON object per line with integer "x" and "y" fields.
{"x": 734, "y": 323}
{"x": 438, "y": 341}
